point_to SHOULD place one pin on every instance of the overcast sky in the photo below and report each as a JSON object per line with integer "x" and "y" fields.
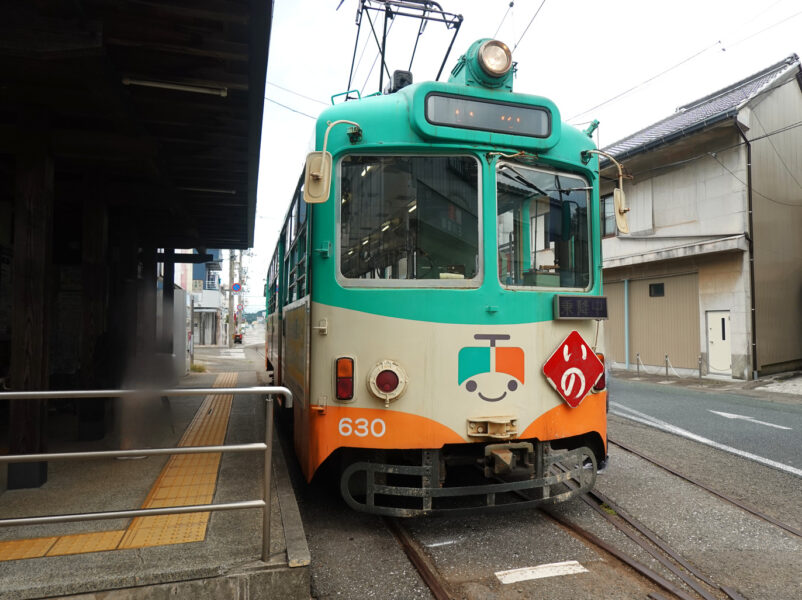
{"x": 582, "y": 54}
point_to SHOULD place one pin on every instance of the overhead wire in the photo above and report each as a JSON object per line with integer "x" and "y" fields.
{"x": 289, "y": 108}
{"x": 511, "y": 4}
{"x": 646, "y": 81}
{"x": 765, "y": 29}
{"x": 723, "y": 47}
{"x": 297, "y": 93}
{"x": 777, "y": 152}
{"x": 532, "y": 20}
{"x": 378, "y": 55}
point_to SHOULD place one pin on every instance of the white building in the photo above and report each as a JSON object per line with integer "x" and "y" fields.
{"x": 712, "y": 268}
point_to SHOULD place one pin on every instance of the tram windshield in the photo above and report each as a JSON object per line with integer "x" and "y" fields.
{"x": 542, "y": 227}
{"x": 406, "y": 218}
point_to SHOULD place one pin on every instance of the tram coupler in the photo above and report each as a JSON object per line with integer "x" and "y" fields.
{"x": 504, "y": 458}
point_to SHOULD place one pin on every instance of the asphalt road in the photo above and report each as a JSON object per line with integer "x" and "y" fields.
{"x": 755, "y": 428}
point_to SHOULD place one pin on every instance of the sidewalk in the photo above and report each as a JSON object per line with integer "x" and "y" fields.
{"x": 198, "y": 555}
{"x": 780, "y": 387}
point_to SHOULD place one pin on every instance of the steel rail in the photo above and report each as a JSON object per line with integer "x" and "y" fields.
{"x": 267, "y": 447}
{"x": 631, "y": 525}
{"x": 428, "y": 574}
{"x": 640, "y": 568}
{"x": 626, "y": 559}
{"x": 723, "y": 496}
{"x": 650, "y": 535}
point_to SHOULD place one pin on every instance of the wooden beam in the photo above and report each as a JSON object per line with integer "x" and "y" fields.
{"x": 207, "y": 48}
{"x": 30, "y": 331}
{"x": 195, "y": 9}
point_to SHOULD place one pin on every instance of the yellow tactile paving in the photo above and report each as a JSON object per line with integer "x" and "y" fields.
{"x": 97, "y": 541}
{"x": 185, "y": 480}
{"x": 33, "y": 548}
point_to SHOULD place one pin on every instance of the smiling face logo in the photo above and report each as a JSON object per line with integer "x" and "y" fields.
{"x": 491, "y": 372}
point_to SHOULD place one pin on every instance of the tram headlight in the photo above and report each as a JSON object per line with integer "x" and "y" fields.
{"x": 387, "y": 381}
{"x": 495, "y": 58}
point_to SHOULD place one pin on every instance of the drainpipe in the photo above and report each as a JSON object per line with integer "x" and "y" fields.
{"x": 626, "y": 322}
{"x": 750, "y": 240}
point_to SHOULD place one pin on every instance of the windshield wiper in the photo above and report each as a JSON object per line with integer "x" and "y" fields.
{"x": 521, "y": 179}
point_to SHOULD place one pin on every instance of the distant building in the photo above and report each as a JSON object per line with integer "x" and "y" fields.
{"x": 712, "y": 267}
{"x": 209, "y": 302}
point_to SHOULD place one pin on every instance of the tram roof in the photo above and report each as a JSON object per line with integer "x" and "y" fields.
{"x": 704, "y": 112}
{"x": 151, "y": 106}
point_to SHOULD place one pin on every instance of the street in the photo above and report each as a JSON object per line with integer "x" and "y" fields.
{"x": 754, "y": 427}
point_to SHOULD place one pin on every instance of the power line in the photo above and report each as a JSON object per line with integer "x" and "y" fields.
{"x": 723, "y": 166}
{"x": 495, "y": 35}
{"x": 646, "y": 81}
{"x": 297, "y": 94}
{"x": 777, "y": 152}
{"x": 780, "y": 22}
{"x": 616, "y": 97}
{"x": 289, "y": 108}
{"x": 537, "y": 12}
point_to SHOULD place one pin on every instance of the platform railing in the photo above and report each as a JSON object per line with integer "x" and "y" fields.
{"x": 266, "y": 447}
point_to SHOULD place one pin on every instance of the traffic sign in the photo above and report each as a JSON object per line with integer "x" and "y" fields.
{"x": 236, "y": 287}
{"x": 573, "y": 369}
{"x": 239, "y": 306}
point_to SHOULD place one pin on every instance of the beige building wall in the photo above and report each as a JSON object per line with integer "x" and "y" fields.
{"x": 677, "y": 323}
{"x": 614, "y": 326}
{"x": 777, "y": 210}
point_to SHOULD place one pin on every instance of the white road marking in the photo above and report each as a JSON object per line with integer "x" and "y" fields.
{"x": 658, "y": 424}
{"x": 750, "y": 419}
{"x": 569, "y": 567}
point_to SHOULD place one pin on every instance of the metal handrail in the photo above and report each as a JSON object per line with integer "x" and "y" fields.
{"x": 266, "y": 447}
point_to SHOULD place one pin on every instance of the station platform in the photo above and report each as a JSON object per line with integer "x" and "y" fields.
{"x": 197, "y": 555}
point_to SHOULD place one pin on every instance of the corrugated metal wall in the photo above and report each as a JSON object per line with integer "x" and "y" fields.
{"x": 667, "y": 324}
{"x": 776, "y": 182}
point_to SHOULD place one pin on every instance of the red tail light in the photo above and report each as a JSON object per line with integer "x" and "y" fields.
{"x": 387, "y": 381}
{"x": 602, "y": 382}
{"x": 345, "y": 378}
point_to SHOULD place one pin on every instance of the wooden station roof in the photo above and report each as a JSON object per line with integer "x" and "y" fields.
{"x": 153, "y": 106}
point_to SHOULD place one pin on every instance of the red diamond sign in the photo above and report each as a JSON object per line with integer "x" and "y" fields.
{"x": 573, "y": 369}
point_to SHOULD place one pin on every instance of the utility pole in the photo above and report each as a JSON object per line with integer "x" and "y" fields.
{"x": 230, "y": 298}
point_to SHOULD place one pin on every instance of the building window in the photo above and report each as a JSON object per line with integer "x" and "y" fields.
{"x": 607, "y": 216}
{"x": 657, "y": 290}
{"x": 211, "y": 280}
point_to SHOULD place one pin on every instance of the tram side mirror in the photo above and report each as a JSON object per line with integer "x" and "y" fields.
{"x": 317, "y": 177}
{"x": 621, "y": 210}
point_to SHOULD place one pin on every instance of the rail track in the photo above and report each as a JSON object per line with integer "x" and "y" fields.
{"x": 698, "y": 584}
{"x": 727, "y": 498}
{"x": 701, "y": 585}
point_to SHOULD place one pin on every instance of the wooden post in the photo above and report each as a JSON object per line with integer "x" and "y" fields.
{"x": 95, "y": 361}
{"x": 29, "y": 369}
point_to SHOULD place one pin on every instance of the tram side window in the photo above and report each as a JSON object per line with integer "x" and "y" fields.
{"x": 272, "y": 285}
{"x": 409, "y": 218}
{"x": 542, "y": 228}
{"x": 295, "y": 256}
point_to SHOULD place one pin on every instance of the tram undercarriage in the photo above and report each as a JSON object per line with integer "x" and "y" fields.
{"x": 466, "y": 478}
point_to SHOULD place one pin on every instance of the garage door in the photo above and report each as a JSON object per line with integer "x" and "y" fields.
{"x": 664, "y": 319}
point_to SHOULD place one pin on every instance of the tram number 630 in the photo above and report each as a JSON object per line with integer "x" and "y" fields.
{"x": 361, "y": 427}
